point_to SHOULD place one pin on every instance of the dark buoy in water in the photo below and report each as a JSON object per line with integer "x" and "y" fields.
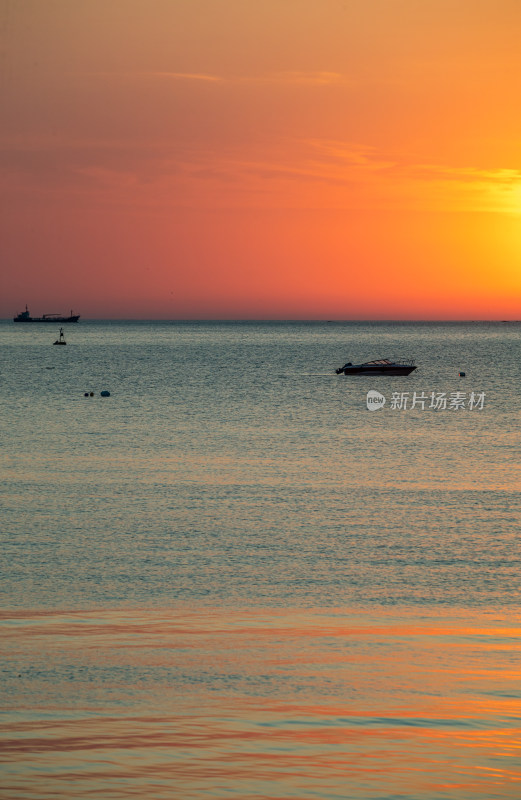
{"x": 462, "y": 374}
{"x": 91, "y": 394}
{"x": 86, "y": 394}
{"x": 61, "y": 340}
{"x": 104, "y": 393}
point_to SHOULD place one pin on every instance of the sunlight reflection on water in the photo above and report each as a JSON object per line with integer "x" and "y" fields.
{"x": 230, "y": 580}
{"x": 278, "y": 704}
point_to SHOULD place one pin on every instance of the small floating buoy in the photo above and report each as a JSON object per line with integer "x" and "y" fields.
{"x": 104, "y": 393}
{"x": 91, "y": 394}
{"x": 462, "y": 374}
{"x": 61, "y": 339}
{"x": 86, "y": 394}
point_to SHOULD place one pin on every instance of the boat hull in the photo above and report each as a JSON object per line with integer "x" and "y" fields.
{"x": 59, "y": 320}
{"x": 395, "y": 369}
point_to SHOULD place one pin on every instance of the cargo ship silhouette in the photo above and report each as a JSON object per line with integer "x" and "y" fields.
{"x": 24, "y": 316}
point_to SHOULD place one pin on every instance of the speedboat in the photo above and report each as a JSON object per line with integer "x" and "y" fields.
{"x": 382, "y": 366}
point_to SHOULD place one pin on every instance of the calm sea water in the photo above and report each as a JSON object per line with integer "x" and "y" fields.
{"x": 230, "y": 579}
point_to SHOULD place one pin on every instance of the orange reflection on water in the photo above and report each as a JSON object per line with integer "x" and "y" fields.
{"x": 272, "y": 705}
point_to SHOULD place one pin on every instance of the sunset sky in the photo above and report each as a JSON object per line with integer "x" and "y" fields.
{"x": 304, "y": 159}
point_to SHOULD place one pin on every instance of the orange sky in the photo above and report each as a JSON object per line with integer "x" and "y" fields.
{"x": 285, "y": 159}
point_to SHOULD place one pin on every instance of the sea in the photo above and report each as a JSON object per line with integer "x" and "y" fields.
{"x": 235, "y": 578}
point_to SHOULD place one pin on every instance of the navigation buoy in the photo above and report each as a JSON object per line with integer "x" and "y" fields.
{"x": 104, "y": 393}
{"x": 462, "y": 374}
{"x": 61, "y": 339}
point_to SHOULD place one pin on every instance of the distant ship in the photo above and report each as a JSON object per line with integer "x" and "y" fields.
{"x": 24, "y": 316}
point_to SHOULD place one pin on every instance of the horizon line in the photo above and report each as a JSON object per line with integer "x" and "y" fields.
{"x": 283, "y": 319}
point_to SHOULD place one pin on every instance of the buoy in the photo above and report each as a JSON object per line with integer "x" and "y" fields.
{"x": 104, "y": 393}
{"x": 61, "y": 339}
{"x": 462, "y": 374}
{"x": 86, "y": 394}
{"x": 91, "y": 394}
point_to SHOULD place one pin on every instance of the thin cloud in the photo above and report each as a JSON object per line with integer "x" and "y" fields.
{"x": 313, "y": 78}
{"x": 287, "y": 78}
{"x": 356, "y": 173}
{"x": 349, "y": 153}
{"x": 188, "y": 76}
{"x": 181, "y": 76}
{"x": 467, "y": 174}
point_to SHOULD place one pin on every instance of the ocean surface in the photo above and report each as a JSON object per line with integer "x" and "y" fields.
{"x": 230, "y": 579}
